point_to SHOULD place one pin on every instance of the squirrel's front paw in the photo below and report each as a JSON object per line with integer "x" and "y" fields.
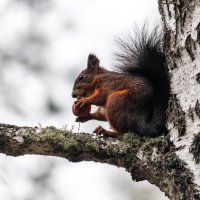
{"x": 81, "y": 102}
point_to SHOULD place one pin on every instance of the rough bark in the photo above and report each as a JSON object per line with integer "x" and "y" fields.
{"x": 152, "y": 159}
{"x": 181, "y": 23}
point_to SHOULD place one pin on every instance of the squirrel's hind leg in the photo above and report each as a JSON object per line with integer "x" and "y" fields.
{"x": 100, "y": 114}
{"x": 101, "y": 131}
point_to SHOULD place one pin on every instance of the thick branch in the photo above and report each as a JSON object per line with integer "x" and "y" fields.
{"x": 146, "y": 159}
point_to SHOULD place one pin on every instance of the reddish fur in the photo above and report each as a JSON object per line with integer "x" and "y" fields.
{"x": 135, "y": 99}
{"x": 117, "y": 93}
{"x": 99, "y": 115}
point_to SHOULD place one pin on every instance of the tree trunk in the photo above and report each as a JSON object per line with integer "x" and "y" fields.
{"x": 181, "y": 20}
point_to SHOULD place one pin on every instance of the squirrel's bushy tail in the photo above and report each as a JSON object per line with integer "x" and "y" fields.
{"x": 142, "y": 54}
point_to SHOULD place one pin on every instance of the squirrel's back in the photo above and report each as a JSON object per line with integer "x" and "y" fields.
{"x": 142, "y": 55}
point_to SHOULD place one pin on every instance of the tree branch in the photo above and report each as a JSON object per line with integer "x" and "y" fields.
{"x": 151, "y": 159}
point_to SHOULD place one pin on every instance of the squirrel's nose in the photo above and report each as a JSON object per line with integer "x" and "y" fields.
{"x": 74, "y": 95}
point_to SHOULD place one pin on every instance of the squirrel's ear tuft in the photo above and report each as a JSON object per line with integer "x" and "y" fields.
{"x": 93, "y": 62}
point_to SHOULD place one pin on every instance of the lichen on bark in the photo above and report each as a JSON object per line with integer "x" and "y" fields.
{"x": 195, "y": 147}
{"x": 176, "y": 115}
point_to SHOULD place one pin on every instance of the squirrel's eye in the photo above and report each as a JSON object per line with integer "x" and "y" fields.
{"x": 80, "y": 77}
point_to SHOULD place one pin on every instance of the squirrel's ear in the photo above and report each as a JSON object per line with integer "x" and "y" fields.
{"x": 93, "y": 62}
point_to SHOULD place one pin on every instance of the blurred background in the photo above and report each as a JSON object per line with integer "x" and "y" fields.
{"x": 44, "y": 44}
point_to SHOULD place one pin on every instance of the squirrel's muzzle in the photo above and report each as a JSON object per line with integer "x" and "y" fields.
{"x": 74, "y": 95}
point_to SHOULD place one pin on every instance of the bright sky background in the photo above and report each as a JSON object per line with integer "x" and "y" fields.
{"x": 89, "y": 26}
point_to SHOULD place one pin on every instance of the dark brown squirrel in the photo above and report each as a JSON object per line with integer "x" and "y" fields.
{"x": 135, "y": 97}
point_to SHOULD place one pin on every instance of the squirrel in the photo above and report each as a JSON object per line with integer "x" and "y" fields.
{"x": 135, "y": 96}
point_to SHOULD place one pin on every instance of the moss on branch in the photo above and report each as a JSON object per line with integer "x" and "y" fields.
{"x": 152, "y": 159}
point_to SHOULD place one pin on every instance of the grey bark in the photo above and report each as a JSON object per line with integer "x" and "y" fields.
{"x": 181, "y": 24}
